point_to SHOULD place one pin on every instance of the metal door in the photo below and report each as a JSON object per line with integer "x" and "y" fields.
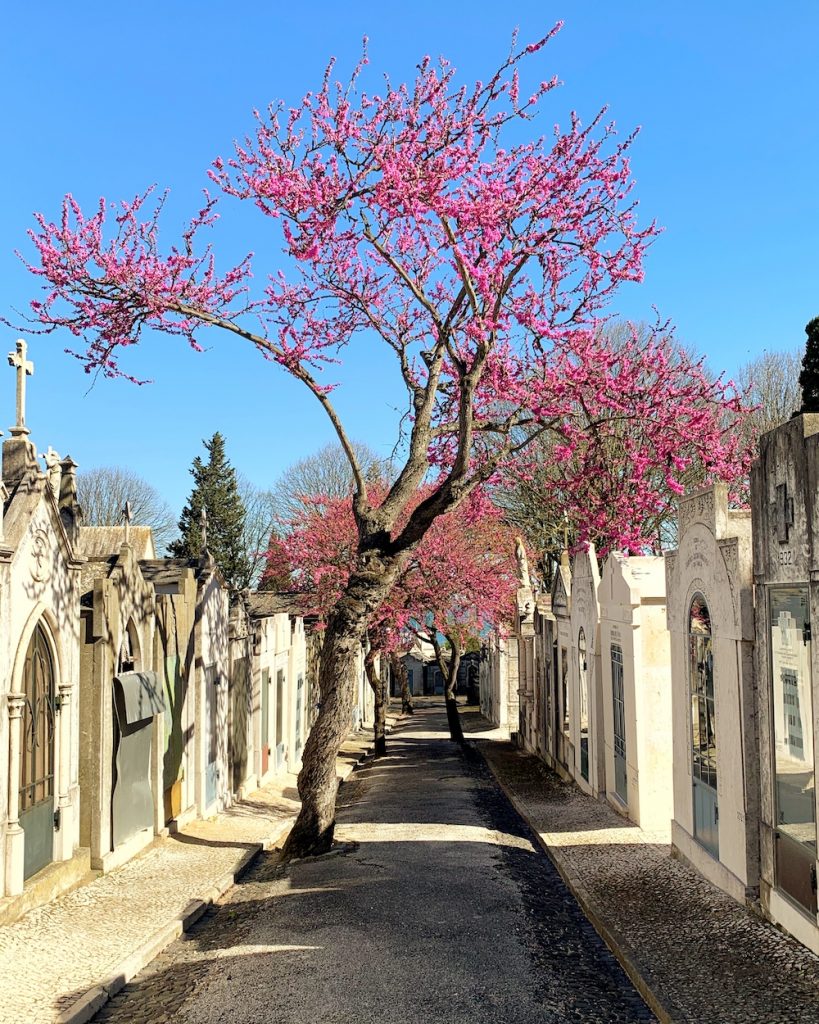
{"x": 280, "y": 719}
{"x": 37, "y": 756}
{"x": 703, "y": 727}
{"x": 565, "y": 748}
{"x": 619, "y": 715}
{"x": 583, "y": 668}
{"x": 212, "y": 745}
{"x": 137, "y": 698}
{"x": 556, "y": 729}
{"x": 299, "y": 689}
{"x": 265, "y": 720}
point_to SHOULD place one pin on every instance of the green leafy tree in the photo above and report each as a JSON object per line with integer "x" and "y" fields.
{"x": 809, "y": 377}
{"x": 216, "y": 490}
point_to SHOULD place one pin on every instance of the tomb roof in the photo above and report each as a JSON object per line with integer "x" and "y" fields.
{"x": 269, "y": 602}
{"x": 161, "y": 571}
{"x": 100, "y": 541}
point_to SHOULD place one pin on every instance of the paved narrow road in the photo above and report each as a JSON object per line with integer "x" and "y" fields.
{"x": 436, "y": 907}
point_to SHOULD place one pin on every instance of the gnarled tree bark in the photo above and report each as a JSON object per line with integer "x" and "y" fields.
{"x": 312, "y": 833}
{"x": 399, "y": 670}
{"x": 380, "y": 714}
{"x": 449, "y": 670}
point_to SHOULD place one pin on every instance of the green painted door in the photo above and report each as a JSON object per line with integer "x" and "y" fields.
{"x": 38, "y": 726}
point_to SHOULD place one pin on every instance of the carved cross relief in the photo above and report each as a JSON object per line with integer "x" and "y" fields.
{"x": 784, "y": 513}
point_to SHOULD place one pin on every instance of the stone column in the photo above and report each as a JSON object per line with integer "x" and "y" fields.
{"x": 15, "y": 837}
{"x": 66, "y": 830}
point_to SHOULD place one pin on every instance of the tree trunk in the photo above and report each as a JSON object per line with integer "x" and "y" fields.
{"x": 380, "y": 714}
{"x": 400, "y": 670}
{"x": 312, "y": 833}
{"x": 449, "y": 670}
{"x": 456, "y": 733}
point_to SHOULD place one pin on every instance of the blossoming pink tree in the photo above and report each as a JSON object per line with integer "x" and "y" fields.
{"x": 486, "y": 266}
{"x": 458, "y": 583}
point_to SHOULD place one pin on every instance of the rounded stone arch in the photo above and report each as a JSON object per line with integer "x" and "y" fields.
{"x": 722, "y": 618}
{"x": 41, "y": 615}
{"x": 711, "y": 577}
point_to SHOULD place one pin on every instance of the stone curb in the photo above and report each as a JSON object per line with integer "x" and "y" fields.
{"x": 91, "y": 1001}
{"x": 84, "y": 1008}
{"x": 651, "y": 991}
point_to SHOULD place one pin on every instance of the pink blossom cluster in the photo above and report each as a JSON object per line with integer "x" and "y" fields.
{"x": 460, "y": 580}
{"x": 108, "y": 290}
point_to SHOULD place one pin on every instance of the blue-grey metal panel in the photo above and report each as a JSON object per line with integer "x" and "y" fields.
{"x": 38, "y": 824}
{"x": 139, "y": 695}
{"x": 706, "y": 817}
{"x": 132, "y": 802}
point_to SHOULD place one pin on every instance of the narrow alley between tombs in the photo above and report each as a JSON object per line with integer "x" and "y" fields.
{"x": 436, "y": 905}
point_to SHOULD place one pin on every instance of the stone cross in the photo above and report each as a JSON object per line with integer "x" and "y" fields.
{"x": 25, "y": 368}
{"x": 203, "y": 527}
{"x": 784, "y": 513}
{"x": 126, "y": 518}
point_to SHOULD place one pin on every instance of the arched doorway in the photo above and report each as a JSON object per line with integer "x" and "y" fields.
{"x": 703, "y": 726}
{"x": 37, "y": 763}
{"x": 584, "y": 704}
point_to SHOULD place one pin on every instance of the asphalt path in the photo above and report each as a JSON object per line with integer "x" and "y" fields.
{"x": 435, "y": 906}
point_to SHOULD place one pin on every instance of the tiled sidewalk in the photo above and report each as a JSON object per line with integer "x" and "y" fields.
{"x": 695, "y": 954}
{"x": 53, "y": 957}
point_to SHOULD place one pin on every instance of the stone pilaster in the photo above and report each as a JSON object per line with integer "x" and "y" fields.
{"x": 66, "y": 830}
{"x": 15, "y": 837}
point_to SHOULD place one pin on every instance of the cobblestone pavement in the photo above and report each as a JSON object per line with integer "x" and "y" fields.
{"x": 705, "y": 957}
{"x": 435, "y": 906}
{"x": 55, "y": 953}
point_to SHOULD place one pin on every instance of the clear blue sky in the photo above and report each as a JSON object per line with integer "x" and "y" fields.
{"x": 104, "y": 99}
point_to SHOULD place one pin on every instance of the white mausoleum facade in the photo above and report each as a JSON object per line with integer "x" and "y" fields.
{"x": 635, "y": 680}
{"x": 711, "y": 621}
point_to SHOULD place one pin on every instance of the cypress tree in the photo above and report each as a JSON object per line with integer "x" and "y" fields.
{"x": 809, "y": 377}
{"x": 215, "y": 489}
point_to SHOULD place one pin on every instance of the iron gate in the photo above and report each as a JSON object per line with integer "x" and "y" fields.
{"x": 37, "y": 756}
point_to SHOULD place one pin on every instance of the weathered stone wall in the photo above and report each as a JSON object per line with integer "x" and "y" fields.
{"x": 785, "y": 503}
{"x": 633, "y": 619}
